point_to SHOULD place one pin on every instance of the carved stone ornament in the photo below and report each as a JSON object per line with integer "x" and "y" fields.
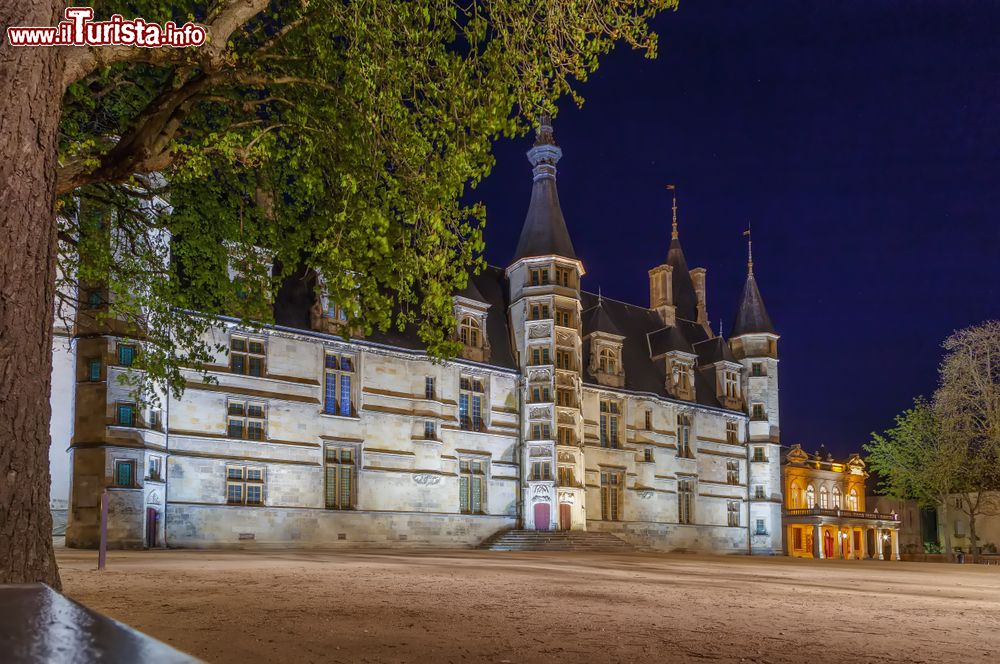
{"x": 153, "y": 499}
{"x": 541, "y": 491}
{"x": 539, "y": 452}
{"x": 539, "y": 413}
{"x": 646, "y": 494}
{"x": 427, "y": 479}
{"x": 566, "y": 457}
{"x": 539, "y": 375}
{"x": 538, "y": 331}
{"x": 567, "y": 497}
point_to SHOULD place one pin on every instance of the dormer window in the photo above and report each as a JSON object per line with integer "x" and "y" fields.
{"x": 680, "y": 377}
{"x": 336, "y": 312}
{"x": 608, "y": 361}
{"x": 469, "y": 332}
{"x": 539, "y": 277}
{"x": 732, "y": 384}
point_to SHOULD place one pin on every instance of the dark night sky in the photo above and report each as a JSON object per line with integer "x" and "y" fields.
{"x": 860, "y": 137}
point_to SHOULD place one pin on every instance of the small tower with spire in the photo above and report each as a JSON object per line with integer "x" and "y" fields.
{"x": 754, "y": 343}
{"x": 545, "y": 313}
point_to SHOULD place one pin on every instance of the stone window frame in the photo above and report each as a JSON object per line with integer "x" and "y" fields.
{"x": 243, "y": 477}
{"x": 685, "y": 432}
{"x": 346, "y": 459}
{"x": 733, "y": 513}
{"x": 252, "y": 349}
{"x": 243, "y": 415}
{"x": 541, "y": 471}
{"x": 467, "y": 383}
{"x": 124, "y": 349}
{"x": 472, "y": 469}
{"x": 732, "y": 432}
{"x": 610, "y": 422}
{"x": 336, "y": 372}
{"x": 612, "y": 483}
{"x": 757, "y": 412}
{"x": 732, "y": 472}
{"x": 132, "y": 420}
{"x": 686, "y": 491}
{"x": 115, "y": 475}
{"x": 157, "y": 460}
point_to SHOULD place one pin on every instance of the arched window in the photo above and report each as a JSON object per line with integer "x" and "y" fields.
{"x": 607, "y": 362}
{"x": 796, "y": 495}
{"x": 468, "y": 332}
{"x": 824, "y": 498}
{"x": 837, "y": 498}
{"x": 810, "y": 497}
{"x": 852, "y": 500}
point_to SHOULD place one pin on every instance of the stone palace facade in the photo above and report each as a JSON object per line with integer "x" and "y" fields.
{"x": 565, "y": 410}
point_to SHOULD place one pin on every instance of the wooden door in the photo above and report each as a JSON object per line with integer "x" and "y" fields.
{"x": 542, "y": 514}
{"x": 565, "y": 518}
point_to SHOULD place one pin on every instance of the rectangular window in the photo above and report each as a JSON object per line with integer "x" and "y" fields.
{"x": 758, "y": 454}
{"x": 126, "y": 354}
{"x": 761, "y": 529}
{"x": 563, "y": 359}
{"x": 539, "y": 312}
{"x": 540, "y": 431}
{"x": 733, "y": 509}
{"x": 757, "y": 412}
{"x": 341, "y": 464}
{"x": 539, "y": 277}
{"x": 732, "y": 471}
{"x": 685, "y": 501}
{"x": 649, "y": 420}
{"x": 563, "y": 277}
{"x": 244, "y": 485}
{"x": 429, "y": 391}
{"x": 612, "y": 483}
{"x": 540, "y": 356}
{"x": 124, "y": 473}
{"x": 564, "y": 397}
{"x": 429, "y": 430}
{"x": 126, "y": 415}
{"x": 94, "y": 369}
{"x": 541, "y": 470}
{"x": 155, "y": 468}
{"x": 609, "y": 423}
{"x": 732, "y": 384}
{"x": 647, "y": 454}
{"x": 338, "y": 381}
{"x": 565, "y": 436}
{"x": 245, "y": 419}
{"x": 246, "y": 356}
{"x": 758, "y": 492}
{"x": 540, "y": 394}
{"x": 684, "y": 437}
{"x": 471, "y": 485}
{"x": 566, "y": 476}
{"x": 757, "y": 369}
{"x": 732, "y": 432}
{"x": 155, "y": 419}
{"x": 564, "y": 318}
{"x": 471, "y": 403}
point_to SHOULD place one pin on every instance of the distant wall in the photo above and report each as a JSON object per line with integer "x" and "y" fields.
{"x": 676, "y": 537}
{"x": 62, "y": 401}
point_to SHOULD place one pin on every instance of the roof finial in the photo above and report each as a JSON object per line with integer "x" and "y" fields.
{"x": 720, "y": 326}
{"x": 544, "y": 154}
{"x": 600, "y": 298}
{"x": 749, "y": 238}
{"x": 673, "y": 231}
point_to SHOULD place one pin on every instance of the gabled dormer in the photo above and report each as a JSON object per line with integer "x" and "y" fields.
{"x": 716, "y": 359}
{"x": 471, "y": 309}
{"x": 605, "y": 342}
{"x": 680, "y": 374}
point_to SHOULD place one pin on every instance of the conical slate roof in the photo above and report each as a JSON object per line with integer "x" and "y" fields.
{"x": 751, "y": 317}
{"x": 544, "y": 232}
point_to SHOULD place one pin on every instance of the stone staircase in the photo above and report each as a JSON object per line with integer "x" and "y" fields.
{"x": 556, "y": 540}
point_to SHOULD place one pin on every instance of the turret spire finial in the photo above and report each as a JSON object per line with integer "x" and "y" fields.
{"x": 749, "y": 238}
{"x": 544, "y": 154}
{"x": 673, "y": 226}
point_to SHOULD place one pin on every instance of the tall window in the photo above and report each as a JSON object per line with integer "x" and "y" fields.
{"x": 246, "y": 356}
{"x": 758, "y": 492}
{"x": 155, "y": 419}
{"x": 732, "y": 380}
{"x": 647, "y": 455}
{"x": 541, "y": 470}
{"x": 852, "y": 500}
{"x": 540, "y": 356}
{"x": 757, "y": 411}
{"x": 336, "y": 312}
{"x": 733, "y": 510}
{"x": 126, "y": 354}
{"x": 563, "y": 359}
{"x": 124, "y": 472}
{"x": 340, "y": 464}
{"x": 758, "y": 454}
{"x": 732, "y": 471}
{"x": 685, "y": 501}
{"x": 611, "y": 495}
{"x": 566, "y": 476}
{"x": 471, "y": 485}
{"x": 607, "y": 361}
{"x": 684, "y": 436}
{"x": 429, "y": 430}
{"x": 125, "y": 414}
{"x": 682, "y": 377}
{"x": 471, "y": 399}
{"x": 538, "y": 277}
{"x": 541, "y": 431}
{"x": 94, "y": 369}
{"x": 429, "y": 388}
{"x": 156, "y": 468}
{"x": 338, "y": 381}
{"x": 246, "y": 420}
{"x": 761, "y": 528}
{"x": 609, "y": 423}
{"x": 468, "y": 332}
{"x": 244, "y": 485}
{"x": 824, "y": 498}
{"x": 649, "y": 420}
{"x": 539, "y": 312}
{"x": 564, "y": 397}
{"x": 565, "y": 436}
{"x": 810, "y": 497}
{"x": 838, "y": 503}
{"x": 732, "y": 432}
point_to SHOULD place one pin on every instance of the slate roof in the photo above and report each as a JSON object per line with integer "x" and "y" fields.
{"x": 751, "y": 316}
{"x": 685, "y": 297}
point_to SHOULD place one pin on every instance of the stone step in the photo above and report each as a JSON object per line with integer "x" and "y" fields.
{"x": 556, "y": 540}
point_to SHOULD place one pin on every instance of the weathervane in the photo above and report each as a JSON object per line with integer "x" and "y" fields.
{"x": 673, "y": 233}
{"x": 749, "y": 238}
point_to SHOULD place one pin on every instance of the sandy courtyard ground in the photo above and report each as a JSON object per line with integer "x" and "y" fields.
{"x": 477, "y": 606}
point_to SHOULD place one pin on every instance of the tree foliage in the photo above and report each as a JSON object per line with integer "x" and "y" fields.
{"x": 342, "y": 136}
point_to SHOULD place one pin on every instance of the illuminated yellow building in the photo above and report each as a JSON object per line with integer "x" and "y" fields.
{"x": 824, "y": 513}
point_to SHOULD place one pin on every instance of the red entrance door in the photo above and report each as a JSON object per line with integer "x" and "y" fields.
{"x": 828, "y": 545}
{"x": 542, "y": 516}
{"x": 151, "y": 516}
{"x": 564, "y": 516}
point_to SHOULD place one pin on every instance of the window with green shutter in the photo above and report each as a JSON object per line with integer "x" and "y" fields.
{"x": 94, "y": 369}
{"x": 126, "y": 414}
{"x": 126, "y": 354}
{"x": 124, "y": 473}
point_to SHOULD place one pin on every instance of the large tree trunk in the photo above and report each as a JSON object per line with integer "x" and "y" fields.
{"x": 30, "y": 100}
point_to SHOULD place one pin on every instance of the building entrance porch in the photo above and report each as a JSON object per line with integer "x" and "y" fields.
{"x": 845, "y": 538}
